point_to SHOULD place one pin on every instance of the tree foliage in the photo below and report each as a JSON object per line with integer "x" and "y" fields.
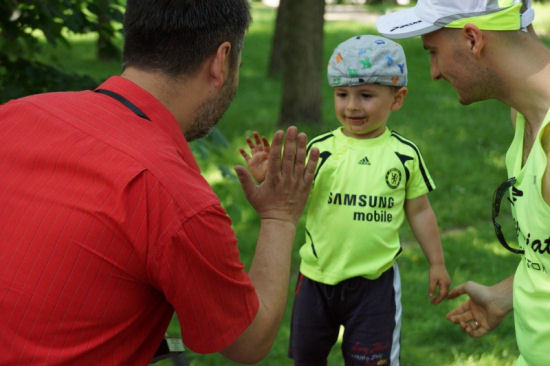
{"x": 22, "y": 22}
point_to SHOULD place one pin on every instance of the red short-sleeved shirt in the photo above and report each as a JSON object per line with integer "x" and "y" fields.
{"x": 106, "y": 227}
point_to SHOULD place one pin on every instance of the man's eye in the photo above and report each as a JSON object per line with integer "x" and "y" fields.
{"x": 366, "y": 95}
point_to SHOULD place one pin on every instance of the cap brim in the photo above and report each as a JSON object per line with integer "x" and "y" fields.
{"x": 403, "y": 24}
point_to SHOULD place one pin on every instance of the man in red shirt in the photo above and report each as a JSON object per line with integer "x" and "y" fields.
{"x": 108, "y": 226}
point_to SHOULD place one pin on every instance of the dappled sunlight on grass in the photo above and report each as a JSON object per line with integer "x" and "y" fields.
{"x": 542, "y": 15}
{"x": 427, "y": 337}
{"x": 502, "y": 359}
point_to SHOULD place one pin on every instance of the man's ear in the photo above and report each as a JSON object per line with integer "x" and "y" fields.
{"x": 220, "y": 64}
{"x": 474, "y": 37}
{"x": 399, "y": 98}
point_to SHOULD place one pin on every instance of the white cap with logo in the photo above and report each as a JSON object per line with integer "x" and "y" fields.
{"x": 430, "y": 15}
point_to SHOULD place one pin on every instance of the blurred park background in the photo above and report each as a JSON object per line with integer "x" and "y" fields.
{"x": 75, "y": 44}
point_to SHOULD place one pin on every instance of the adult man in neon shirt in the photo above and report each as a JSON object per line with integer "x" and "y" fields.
{"x": 484, "y": 50}
{"x": 108, "y": 226}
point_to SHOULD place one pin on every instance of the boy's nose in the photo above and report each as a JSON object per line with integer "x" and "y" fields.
{"x": 352, "y": 104}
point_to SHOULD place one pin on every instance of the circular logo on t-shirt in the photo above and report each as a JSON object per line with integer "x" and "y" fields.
{"x": 393, "y": 178}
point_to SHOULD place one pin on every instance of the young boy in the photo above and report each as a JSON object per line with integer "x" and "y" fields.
{"x": 368, "y": 178}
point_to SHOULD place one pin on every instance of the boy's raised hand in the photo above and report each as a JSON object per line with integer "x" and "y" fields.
{"x": 288, "y": 178}
{"x": 257, "y": 161}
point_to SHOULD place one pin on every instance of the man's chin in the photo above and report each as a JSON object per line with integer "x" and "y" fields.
{"x": 465, "y": 100}
{"x": 197, "y": 134}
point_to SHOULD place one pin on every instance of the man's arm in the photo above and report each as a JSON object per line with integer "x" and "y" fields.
{"x": 279, "y": 201}
{"x": 424, "y": 226}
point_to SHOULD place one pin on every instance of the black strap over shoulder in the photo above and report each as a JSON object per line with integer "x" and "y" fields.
{"x": 124, "y": 101}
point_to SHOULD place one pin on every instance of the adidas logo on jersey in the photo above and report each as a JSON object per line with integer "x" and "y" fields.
{"x": 364, "y": 161}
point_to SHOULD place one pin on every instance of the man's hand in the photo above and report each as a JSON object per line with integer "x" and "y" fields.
{"x": 284, "y": 192}
{"x": 485, "y": 309}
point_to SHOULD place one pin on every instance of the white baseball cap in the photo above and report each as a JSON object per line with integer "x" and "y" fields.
{"x": 430, "y": 15}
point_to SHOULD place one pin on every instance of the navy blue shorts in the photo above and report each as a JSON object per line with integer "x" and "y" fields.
{"x": 369, "y": 310}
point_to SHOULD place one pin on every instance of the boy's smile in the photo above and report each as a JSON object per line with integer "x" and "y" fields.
{"x": 363, "y": 110}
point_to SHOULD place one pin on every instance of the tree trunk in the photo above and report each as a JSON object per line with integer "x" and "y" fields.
{"x": 276, "y": 57}
{"x": 302, "y": 62}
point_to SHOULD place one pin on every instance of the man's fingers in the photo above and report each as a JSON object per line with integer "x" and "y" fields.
{"x": 301, "y": 144}
{"x": 246, "y": 180}
{"x": 311, "y": 165}
{"x": 289, "y": 153}
{"x": 457, "y": 291}
{"x": 274, "y": 163}
{"x": 476, "y": 332}
{"x": 461, "y": 314}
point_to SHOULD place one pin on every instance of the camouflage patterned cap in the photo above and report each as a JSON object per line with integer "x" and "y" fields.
{"x": 367, "y": 59}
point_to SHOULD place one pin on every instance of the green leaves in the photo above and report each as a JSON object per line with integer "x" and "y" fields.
{"x": 23, "y": 22}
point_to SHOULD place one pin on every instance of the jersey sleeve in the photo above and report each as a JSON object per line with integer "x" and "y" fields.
{"x": 420, "y": 182}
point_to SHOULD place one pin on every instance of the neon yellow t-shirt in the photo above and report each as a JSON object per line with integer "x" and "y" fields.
{"x": 357, "y": 204}
{"x": 532, "y": 280}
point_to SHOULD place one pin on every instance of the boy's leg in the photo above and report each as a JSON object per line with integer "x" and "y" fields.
{"x": 313, "y": 329}
{"x": 373, "y": 326}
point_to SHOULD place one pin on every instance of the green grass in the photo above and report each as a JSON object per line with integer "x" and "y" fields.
{"x": 463, "y": 147}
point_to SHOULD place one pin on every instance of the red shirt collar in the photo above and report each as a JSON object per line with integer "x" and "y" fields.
{"x": 153, "y": 108}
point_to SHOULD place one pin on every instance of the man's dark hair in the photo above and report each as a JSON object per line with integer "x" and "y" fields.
{"x": 176, "y": 36}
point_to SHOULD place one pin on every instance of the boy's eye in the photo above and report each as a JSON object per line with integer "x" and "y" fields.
{"x": 341, "y": 95}
{"x": 366, "y": 95}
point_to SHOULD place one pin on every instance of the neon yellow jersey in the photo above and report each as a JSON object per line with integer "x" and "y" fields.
{"x": 357, "y": 204}
{"x": 532, "y": 279}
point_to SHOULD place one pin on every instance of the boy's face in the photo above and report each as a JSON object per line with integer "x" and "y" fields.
{"x": 363, "y": 110}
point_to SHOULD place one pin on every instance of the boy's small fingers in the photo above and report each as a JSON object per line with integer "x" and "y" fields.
{"x": 244, "y": 154}
{"x": 439, "y": 297}
{"x": 265, "y": 142}
{"x": 444, "y": 290}
{"x": 431, "y": 288}
{"x": 257, "y": 138}
{"x": 249, "y": 142}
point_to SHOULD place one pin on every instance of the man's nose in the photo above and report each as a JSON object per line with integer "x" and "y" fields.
{"x": 434, "y": 71}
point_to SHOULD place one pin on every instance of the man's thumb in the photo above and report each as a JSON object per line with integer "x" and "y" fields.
{"x": 247, "y": 183}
